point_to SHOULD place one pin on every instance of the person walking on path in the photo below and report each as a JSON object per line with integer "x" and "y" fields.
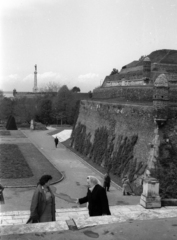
{"x": 96, "y": 198}
{"x": 127, "y": 190}
{"x": 107, "y": 182}
{"x": 43, "y": 202}
{"x": 1, "y": 195}
{"x": 56, "y": 141}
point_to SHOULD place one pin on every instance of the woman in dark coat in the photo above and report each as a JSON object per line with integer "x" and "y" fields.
{"x": 96, "y": 198}
{"x": 43, "y": 202}
{"x": 1, "y": 194}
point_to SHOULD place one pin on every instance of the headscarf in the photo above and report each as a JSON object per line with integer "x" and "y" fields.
{"x": 94, "y": 180}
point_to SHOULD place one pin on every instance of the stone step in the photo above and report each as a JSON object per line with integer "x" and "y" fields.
{"x": 21, "y": 217}
{"x": 15, "y": 222}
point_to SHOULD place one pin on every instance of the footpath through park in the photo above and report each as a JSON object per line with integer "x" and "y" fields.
{"x": 124, "y": 209}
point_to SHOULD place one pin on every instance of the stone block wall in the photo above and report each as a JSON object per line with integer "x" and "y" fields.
{"x": 134, "y": 94}
{"x": 128, "y": 120}
{"x": 138, "y": 94}
{"x": 123, "y": 122}
{"x": 173, "y": 94}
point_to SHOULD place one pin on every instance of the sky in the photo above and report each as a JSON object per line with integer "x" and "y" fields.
{"x": 79, "y": 42}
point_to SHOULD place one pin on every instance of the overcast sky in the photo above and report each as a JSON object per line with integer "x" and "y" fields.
{"x": 79, "y": 42}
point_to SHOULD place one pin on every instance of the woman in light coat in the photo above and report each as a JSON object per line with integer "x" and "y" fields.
{"x": 43, "y": 202}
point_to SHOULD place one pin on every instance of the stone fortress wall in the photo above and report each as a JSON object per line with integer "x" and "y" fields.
{"x": 131, "y": 93}
{"x": 126, "y": 120}
{"x": 137, "y": 110}
{"x": 122, "y": 120}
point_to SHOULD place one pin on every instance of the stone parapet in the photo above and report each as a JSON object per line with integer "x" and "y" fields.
{"x": 132, "y": 93}
{"x": 81, "y": 219}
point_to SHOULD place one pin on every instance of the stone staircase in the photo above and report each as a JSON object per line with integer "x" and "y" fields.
{"x": 77, "y": 218}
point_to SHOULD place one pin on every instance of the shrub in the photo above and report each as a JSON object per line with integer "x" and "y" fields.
{"x": 122, "y": 161}
{"x": 11, "y": 124}
{"x": 100, "y": 145}
{"x": 166, "y": 170}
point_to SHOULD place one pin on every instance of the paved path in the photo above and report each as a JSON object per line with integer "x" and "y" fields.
{"x": 74, "y": 170}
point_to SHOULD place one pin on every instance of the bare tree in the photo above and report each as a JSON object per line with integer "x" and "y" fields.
{"x": 50, "y": 87}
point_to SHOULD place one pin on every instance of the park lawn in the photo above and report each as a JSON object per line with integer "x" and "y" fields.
{"x": 4, "y": 133}
{"x": 12, "y": 162}
{"x": 23, "y": 164}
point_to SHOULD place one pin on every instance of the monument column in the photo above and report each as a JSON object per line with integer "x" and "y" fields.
{"x": 35, "y": 79}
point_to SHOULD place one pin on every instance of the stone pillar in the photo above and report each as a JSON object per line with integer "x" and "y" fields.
{"x": 150, "y": 197}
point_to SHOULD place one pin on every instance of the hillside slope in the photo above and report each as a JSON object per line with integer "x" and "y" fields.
{"x": 165, "y": 56}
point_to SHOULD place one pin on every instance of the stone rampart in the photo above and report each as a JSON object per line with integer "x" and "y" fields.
{"x": 129, "y": 120}
{"x": 140, "y": 93}
{"x": 131, "y": 132}
{"x": 130, "y": 129}
{"x": 132, "y": 93}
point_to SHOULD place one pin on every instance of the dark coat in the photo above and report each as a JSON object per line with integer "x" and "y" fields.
{"x": 38, "y": 205}
{"x": 1, "y": 194}
{"x": 98, "y": 201}
{"x": 56, "y": 141}
{"x": 107, "y": 181}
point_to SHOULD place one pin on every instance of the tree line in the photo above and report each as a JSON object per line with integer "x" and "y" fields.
{"x": 57, "y": 105}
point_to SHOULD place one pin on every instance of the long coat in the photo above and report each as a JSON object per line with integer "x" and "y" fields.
{"x": 38, "y": 205}
{"x": 97, "y": 201}
{"x": 107, "y": 181}
{"x": 126, "y": 186}
{"x": 1, "y": 194}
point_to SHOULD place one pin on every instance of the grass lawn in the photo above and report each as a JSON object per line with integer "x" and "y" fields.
{"x": 23, "y": 164}
{"x": 4, "y": 133}
{"x": 12, "y": 162}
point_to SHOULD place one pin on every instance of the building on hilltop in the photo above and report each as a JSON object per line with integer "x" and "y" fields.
{"x": 146, "y": 70}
